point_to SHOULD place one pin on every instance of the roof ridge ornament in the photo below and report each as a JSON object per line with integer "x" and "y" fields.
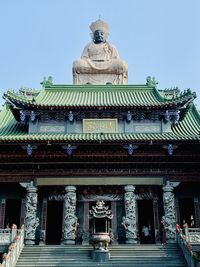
{"x": 151, "y": 81}
{"x": 47, "y": 81}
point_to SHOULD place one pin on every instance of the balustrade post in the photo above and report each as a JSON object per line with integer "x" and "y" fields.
{"x": 31, "y": 221}
{"x": 170, "y": 212}
{"x": 129, "y": 221}
{"x": 70, "y": 219}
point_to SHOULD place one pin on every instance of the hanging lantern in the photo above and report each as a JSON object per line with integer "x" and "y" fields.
{"x": 29, "y": 150}
{"x": 129, "y": 116}
{"x": 23, "y": 116}
{"x": 69, "y": 150}
{"x": 32, "y": 116}
{"x": 166, "y": 116}
{"x": 71, "y": 116}
{"x": 176, "y": 117}
{"x": 170, "y": 149}
{"x": 130, "y": 149}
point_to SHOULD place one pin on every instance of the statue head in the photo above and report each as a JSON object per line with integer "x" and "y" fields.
{"x": 99, "y": 37}
{"x": 100, "y": 31}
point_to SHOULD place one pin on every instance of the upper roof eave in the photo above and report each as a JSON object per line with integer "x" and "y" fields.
{"x": 98, "y": 96}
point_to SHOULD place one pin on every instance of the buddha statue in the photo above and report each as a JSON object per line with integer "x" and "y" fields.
{"x": 100, "y": 62}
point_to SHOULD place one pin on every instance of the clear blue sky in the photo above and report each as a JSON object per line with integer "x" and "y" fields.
{"x": 159, "y": 38}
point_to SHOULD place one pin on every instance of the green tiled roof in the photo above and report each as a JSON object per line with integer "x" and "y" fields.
{"x": 12, "y": 131}
{"x": 91, "y": 96}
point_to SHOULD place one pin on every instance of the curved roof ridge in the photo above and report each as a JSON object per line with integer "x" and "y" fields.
{"x": 48, "y": 97}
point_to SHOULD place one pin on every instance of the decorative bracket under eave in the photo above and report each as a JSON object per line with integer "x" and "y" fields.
{"x": 69, "y": 149}
{"x": 170, "y": 148}
{"x": 29, "y": 148}
{"x": 130, "y": 148}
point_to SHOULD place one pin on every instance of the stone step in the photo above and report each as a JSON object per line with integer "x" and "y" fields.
{"x": 121, "y": 256}
{"x": 113, "y": 264}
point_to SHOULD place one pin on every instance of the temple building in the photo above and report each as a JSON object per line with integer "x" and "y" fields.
{"x": 66, "y": 148}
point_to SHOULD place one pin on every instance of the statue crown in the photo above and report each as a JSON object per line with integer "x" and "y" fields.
{"x": 99, "y": 25}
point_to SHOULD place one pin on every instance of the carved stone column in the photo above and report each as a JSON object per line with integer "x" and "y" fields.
{"x": 70, "y": 219}
{"x": 129, "y": 221}
{"x": 170, "y": 212}
{"x": 30, "y": 220}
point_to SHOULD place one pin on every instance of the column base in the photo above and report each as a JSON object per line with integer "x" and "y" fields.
{"x": 42, "y": 243}
{"x": 131, "y": 241}
{"x": 69, "y": 242}
{"x": 170, "y": 241}
{"x": 99, "y": 255}
{"x": 29, "y": 242}
{"x": 85, "y": 242}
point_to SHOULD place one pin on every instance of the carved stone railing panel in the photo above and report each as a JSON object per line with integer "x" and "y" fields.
{"x": 192, "y": 235}
{"x": 70, "y": 219}
{"x": 15, "y": 248}
{"x": 129, "y": 221}
{"x": 5, "y": 236}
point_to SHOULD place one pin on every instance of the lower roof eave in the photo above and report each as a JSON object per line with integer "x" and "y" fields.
{"x": 100, "y": 141}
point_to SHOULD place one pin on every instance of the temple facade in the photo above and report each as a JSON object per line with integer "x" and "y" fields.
{"x": 65, "y": 149}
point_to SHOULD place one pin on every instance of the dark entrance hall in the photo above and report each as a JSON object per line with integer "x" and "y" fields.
{"x": 146, "y": 221}
{"x": 12, "y": 212}
{"x": 187, "y": 212}
{"x": 54, "y": 222}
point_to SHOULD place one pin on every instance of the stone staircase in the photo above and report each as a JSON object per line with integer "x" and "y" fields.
{"x": 121, "y": 256}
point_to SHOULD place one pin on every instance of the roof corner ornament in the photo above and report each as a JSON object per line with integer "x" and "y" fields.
{"x": 130, "y": 148}
{"x": 47, "y": 82}
{"x": 170, "y": 149}
{"x": 151, "y": 81}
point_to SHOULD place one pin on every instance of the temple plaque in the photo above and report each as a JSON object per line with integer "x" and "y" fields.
{"x": 100, "y": 125}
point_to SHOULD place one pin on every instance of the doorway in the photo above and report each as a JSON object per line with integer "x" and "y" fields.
{"x": 187, "y": 212}
{"x": 54, "y": 222}
{"x": 12, "y": 212}
{"x": 146, "y": 221}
